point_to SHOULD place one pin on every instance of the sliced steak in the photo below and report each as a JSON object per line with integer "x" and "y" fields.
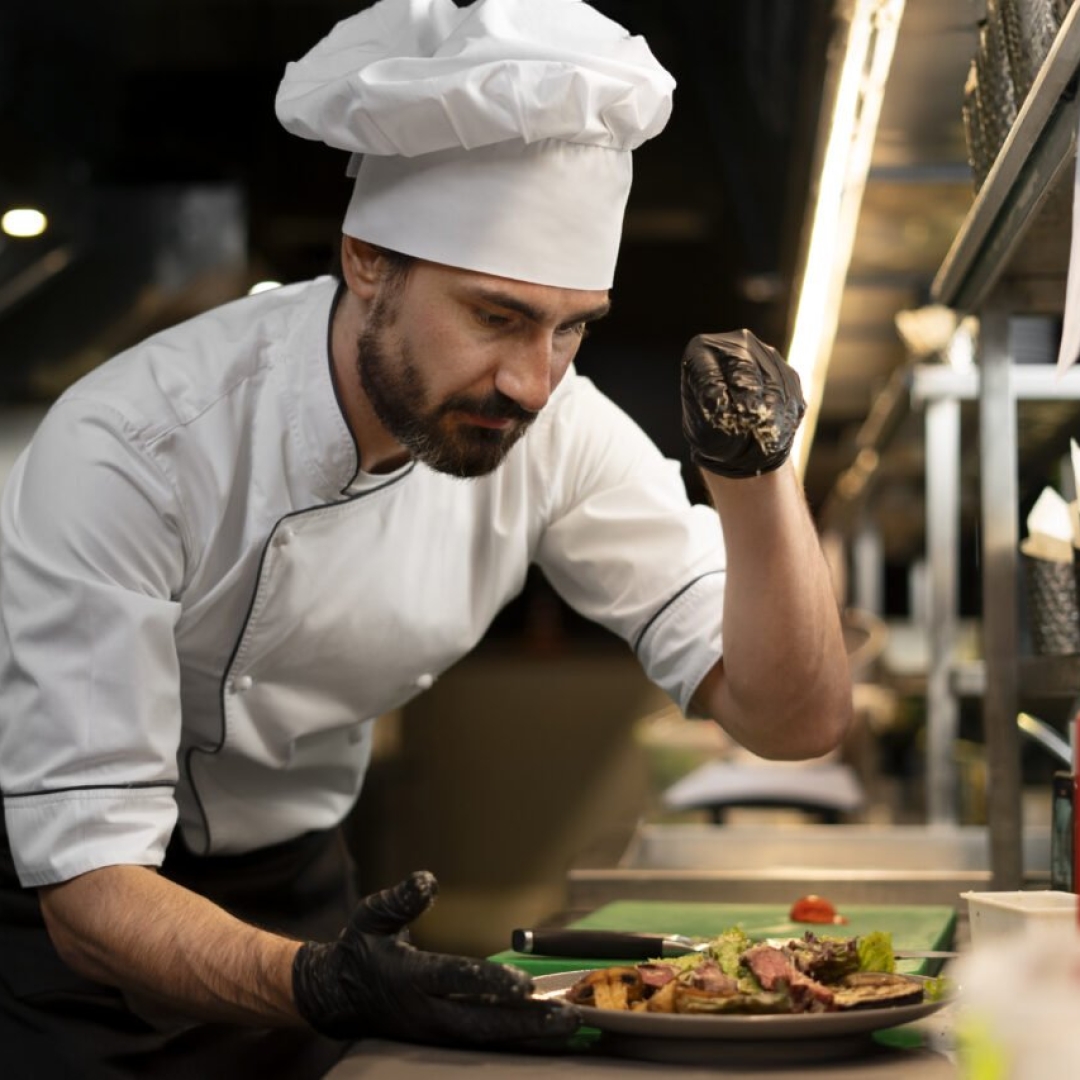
{"x": 657, "y": 975}
{"x": 773, "y": 969}
{"x": 709, "y": 977}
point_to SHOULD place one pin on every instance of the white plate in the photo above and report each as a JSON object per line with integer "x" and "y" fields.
{"x": 769, "y": 1027}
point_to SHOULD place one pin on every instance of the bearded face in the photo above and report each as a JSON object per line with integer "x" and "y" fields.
{"x": 449, "y": 435}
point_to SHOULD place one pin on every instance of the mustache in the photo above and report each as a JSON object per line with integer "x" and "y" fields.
{"x": 496, "y": 406}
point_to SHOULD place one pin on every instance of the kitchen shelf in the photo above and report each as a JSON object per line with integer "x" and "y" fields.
{"x": 1037, "y": 676}
{"x": 1027, "y": 190}
{"x": 1010, "y": 257}
{"x": 909, "y": 391}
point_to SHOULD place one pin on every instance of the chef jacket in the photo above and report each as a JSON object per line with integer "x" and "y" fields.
{"x": 204, "y": 603}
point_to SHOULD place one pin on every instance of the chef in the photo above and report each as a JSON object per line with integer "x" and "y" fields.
{"x": 229, "y": 549}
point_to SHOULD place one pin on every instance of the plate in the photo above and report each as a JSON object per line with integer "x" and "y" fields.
{"x": 671, "y": 1036}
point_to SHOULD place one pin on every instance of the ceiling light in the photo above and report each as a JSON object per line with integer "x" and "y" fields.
{"x": 761, "y": 288}
{"x": 263, "y": 286}
{"x": 927, "y": 331}
{"x": 24, "y": 221}
{"x": 871, "y": 38}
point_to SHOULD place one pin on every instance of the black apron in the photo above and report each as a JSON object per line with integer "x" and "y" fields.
{"x": 57, "y": 1025}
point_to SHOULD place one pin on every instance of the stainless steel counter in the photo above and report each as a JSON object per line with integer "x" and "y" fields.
{"x": 396, "y": 1061}
{"x": 376, "y": 1060}
{"x": 884, "y": 864}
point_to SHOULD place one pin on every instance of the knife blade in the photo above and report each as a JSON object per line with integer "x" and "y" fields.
{"x": 632, "y": 945}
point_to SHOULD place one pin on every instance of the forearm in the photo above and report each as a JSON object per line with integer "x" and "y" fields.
{"x": 784, "y": 687}
{"x": 128, "y": 927}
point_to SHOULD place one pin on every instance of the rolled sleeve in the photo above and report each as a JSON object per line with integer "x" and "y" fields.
{"x": 89, "y": 676}
{"x": 683, "y": 641}
{"x": 57, "y": 836}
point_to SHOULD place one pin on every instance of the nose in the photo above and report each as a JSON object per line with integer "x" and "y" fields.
{"x": 527, "y": 372}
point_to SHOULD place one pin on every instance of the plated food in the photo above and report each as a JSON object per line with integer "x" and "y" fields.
{"x": 738, "y": 976}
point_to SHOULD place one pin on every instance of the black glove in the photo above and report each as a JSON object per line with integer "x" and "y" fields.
{"x": 372, "y": 982}
{"x": 741, "y": 404}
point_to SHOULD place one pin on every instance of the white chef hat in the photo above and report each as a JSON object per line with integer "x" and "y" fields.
{"x": 495, "y": 137}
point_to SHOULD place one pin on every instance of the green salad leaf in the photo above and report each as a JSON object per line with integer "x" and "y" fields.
{"x": 726, "y": 950}
{"x": 876, "y": 952}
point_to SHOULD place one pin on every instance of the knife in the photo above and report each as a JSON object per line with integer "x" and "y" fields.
{"x": 630, "y": 945}
{"x": 610, "y": 944}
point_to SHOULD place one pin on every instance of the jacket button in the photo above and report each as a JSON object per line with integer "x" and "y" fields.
{"x": 242, "y": 683}
{"x": 284, "y": 536}
{"x": 425, "y": 681}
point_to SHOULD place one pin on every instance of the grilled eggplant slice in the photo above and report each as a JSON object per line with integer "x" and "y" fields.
{"x": 876, "y": 989}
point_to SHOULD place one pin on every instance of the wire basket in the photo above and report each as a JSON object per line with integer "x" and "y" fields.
{"x": 1053, "y": 615}
{"x": 1028, "y": 28}
{"x": 995, "y": 96}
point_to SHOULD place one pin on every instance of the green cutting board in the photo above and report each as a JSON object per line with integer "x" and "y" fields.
{"x": 913, "y": 926}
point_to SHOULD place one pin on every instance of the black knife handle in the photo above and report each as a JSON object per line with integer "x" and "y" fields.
{"x": 588, "y": 944}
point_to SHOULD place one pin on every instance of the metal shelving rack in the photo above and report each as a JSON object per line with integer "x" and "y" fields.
{"x": 1010, "y": 257}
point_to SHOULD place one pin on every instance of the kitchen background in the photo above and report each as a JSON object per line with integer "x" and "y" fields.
{"x": 146, "y": 133}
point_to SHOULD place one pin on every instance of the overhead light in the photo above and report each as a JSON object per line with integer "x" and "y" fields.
{"x": 871, "y": 39}
{"x": 927, "y": 331}
{"x": 761, "y": 288}
{"x": 23, "y": 222}
{"x": 263, "y": 286}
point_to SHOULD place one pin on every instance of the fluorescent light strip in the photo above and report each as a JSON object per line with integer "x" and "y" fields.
{"x": 846, "y": 163}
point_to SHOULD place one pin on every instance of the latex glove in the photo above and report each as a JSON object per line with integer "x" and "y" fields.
{"x": 372, "y": 982}
{"x": 742, "y": 404}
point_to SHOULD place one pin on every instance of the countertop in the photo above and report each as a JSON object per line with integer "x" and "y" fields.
{"x": 378, "y": 1060}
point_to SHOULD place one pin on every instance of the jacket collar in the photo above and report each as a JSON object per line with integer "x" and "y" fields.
{"x": 315, "y": 414}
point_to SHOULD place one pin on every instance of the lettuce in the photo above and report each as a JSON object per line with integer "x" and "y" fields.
{"x": 876, "y": 952}
{"x": 825, "y": 958}
{"x": 726, "y": 950}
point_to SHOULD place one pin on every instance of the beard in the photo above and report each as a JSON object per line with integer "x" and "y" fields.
{"x": 396, "y": 389}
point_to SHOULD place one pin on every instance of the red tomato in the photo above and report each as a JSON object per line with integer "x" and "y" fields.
{"x": 814, "y": 909}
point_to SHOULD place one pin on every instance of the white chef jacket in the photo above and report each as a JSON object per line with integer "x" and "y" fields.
{"x": 204, "y": 606}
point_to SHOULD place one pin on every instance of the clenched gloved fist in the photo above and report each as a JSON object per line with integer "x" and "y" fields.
{"x": 742, "y": 404}
{"x": 372, "y": 982}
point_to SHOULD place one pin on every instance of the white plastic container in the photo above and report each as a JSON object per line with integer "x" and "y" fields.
{"x": 994, "y": 915}
{"x": 1019, "y": 996}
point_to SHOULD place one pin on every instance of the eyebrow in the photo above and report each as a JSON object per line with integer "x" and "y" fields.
{"x": 513, "y": 303}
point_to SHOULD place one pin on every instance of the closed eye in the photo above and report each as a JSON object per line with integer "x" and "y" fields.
{"x": 578, "y": 329}
{"x": 498, "y": 310}
{"x": 491, "y": 320}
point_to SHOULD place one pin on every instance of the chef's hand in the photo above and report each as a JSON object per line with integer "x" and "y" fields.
{"x": 372, "y": 982}
{"x": 741, "y": 402}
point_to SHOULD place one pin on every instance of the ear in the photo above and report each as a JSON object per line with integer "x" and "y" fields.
{"x": 362, "y": 266}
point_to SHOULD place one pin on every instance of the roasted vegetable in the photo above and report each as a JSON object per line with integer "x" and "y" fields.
{"x": 608, "y": 988}
{"x": 873, "y": 989}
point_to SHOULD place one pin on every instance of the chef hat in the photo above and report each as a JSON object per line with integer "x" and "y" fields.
{"x": 495, "y": 137}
